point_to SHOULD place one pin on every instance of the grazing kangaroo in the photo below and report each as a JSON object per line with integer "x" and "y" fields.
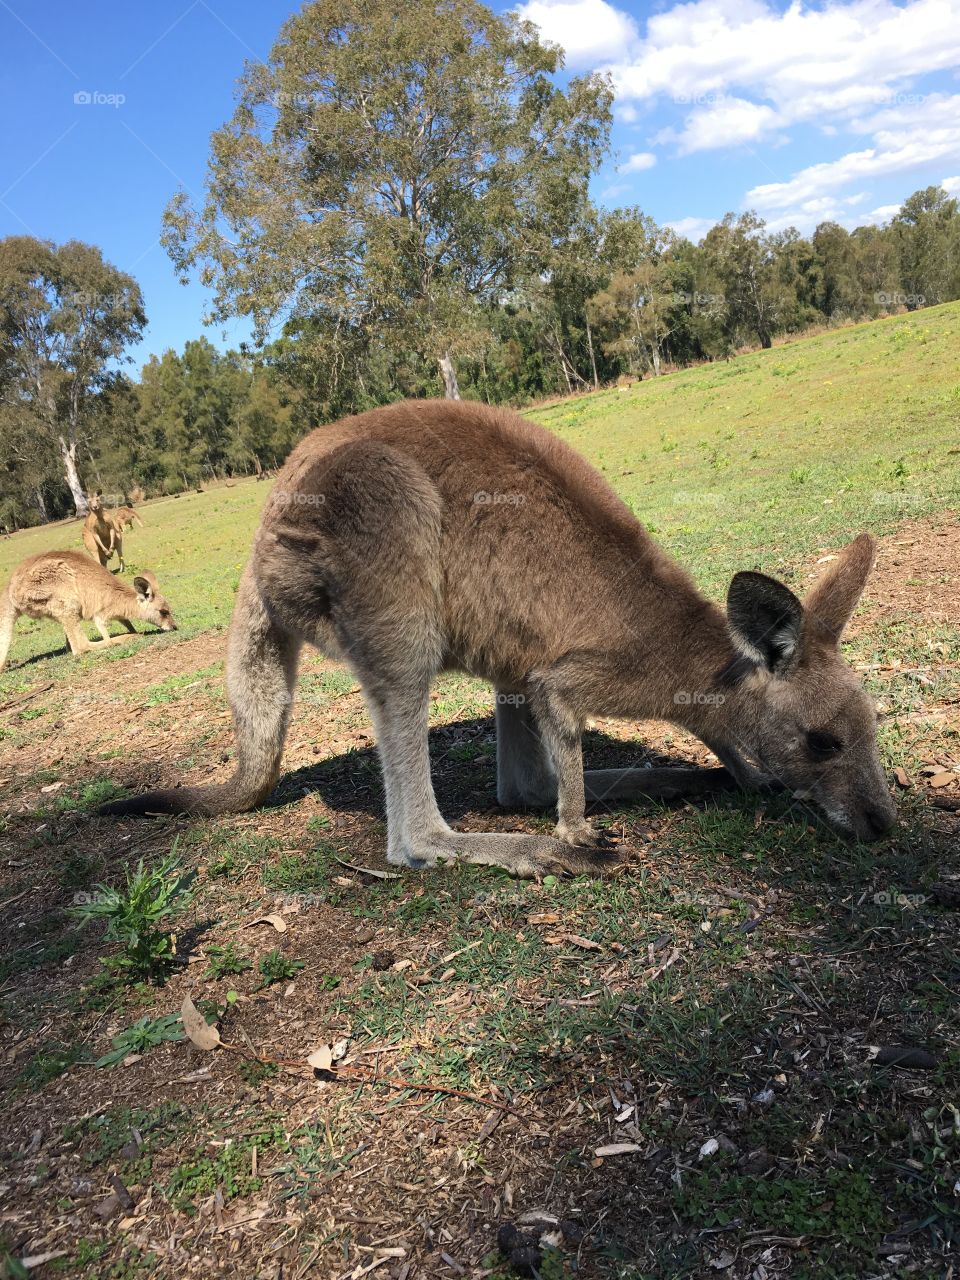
{"x": 64, "y": 585}
{"x": 429, "y": 536}
{"x": 99, "y": 535}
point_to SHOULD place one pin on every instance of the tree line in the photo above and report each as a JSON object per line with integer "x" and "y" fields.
{"x": 400, "y": 206}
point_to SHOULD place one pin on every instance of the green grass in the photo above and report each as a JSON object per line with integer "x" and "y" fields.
{"x": 747, "y": 463}
{"x": 763, "y": 469}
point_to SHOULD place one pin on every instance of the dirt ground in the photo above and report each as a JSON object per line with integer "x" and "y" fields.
{"x": 581, "y": 1055}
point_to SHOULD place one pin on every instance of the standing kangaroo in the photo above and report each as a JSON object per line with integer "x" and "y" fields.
{"x": 64, "y": 585}
{"x": 99, "y": 535}
{"x": 430, "y": 536}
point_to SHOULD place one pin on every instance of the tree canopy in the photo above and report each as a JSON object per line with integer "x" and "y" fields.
{"x": 388, "y": 172}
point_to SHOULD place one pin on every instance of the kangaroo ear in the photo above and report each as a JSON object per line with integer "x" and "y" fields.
{"x": 142, "y": 587}
{"x": 830, "y": 604}
{"x": 765, "y": 619}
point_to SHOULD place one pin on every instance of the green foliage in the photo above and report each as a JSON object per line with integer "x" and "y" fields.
{"x": 275, "y": 967}
{"x": 225, "y": 960}
{"x": 89, "y": 797}
{"x": 134, "y": 915}
{"x": 366, "y": 108}
{"x": 142, "y": 1035}
{"x": 68, "y": 317}
{"x": 50, "y": 1062}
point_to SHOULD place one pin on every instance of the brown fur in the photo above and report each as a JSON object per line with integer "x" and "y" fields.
{"x": 99, "y": 536}
{"x": 435, "y": 535}
{"x": 64, "y": 585}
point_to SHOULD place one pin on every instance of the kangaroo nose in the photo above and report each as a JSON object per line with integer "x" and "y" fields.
{"x": 879, "y": 821}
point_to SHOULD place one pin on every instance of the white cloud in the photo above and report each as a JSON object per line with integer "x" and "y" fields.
{"x": 883, "y": 213}
{"x": 951, "y": 186}
{"x": 693, "y": 228}
{"x": 588, "y": 31}
{"x": 636, "y": 163}
{"x": 929, "y": 134}
{"x": 727, "y": 122}
{"x": 798, "y": 64}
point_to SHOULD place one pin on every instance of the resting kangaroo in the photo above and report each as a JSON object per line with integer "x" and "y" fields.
{"x": 427, "y": 536}
{"x": 66, "y": 586}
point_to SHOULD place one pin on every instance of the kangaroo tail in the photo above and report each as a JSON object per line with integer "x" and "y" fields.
{"x": 8, "y": 618}
{"x": 261, "y": 675}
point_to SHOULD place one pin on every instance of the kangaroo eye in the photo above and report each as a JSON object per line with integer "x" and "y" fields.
{"x": 823, "y": 745}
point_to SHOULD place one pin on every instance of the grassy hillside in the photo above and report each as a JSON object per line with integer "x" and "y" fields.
{"x": 747, "y": 463}
{"x": 751, "y": 462}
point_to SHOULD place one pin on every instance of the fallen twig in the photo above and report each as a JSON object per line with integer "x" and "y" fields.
{"x": 34, "y": 693}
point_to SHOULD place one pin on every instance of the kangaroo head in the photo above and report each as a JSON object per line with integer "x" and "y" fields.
{"x": 94, "y": 502}
{"x": 803, "y": 713}
{"x": 151, "y": 605}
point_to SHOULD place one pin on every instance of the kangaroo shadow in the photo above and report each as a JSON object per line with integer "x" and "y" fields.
{"x": 462, "y": 766}
{"x": 63, "y": 650}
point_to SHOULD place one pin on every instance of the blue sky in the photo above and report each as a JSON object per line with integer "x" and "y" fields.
{"x": 803, "y": 112}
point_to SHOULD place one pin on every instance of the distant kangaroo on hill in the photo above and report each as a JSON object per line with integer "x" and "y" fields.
{"x": 429, "y": 536}
{"x": 69, "y": 587}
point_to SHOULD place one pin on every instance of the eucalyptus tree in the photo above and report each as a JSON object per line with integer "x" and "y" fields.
{"x": 388, "y": 173}
{"x": 66, "y": 319}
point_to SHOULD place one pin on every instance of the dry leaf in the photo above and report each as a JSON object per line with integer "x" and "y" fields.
{"x": 321, "y": 1059}
{"x": 199, "y": 1031}
{"x": 617, "y": 1149}
{"x": 902, "y": 777}
{"x": 278, "y": 922}
{"x": 942, "y": 779}
{"x": 587, "y": 944}
{"x": 543, "y": 917}
{"x": 370, "y": 871}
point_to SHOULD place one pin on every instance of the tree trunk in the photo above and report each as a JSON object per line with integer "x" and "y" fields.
{"x": 42, "y": 506}
{"x": 593, "y": 359}
{"x": 655, "y": 359}
{"x": 68, "y": 453}
{"x": 449, "y": 374}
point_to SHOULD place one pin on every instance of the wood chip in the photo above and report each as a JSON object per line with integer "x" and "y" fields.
{"x": 617, "y": 1149}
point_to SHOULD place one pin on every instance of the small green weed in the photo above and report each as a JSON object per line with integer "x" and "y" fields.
{"x": 275, "y": 967}
{"x": 143, "y": 1035}
{"x": 226, "y": 959}
{"x": 134, "y": 914}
